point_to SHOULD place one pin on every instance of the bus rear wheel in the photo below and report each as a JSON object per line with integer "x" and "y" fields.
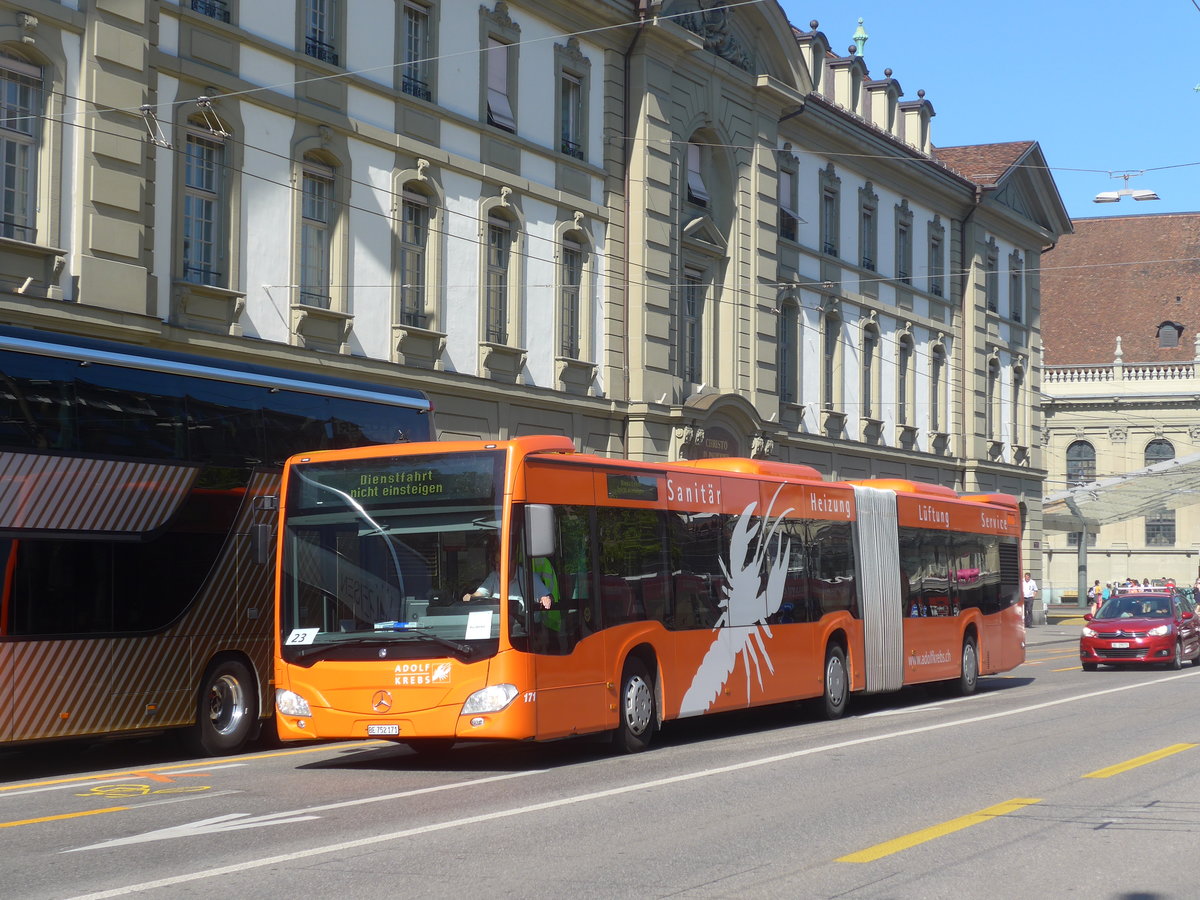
{"x": 837, "y": 682}
{"x": 226, "y": 709}
{"x": 636, "y": 709}
{"x": 968, "y": 678}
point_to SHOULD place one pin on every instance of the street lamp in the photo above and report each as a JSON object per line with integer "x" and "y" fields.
{"x": 1127, "y": 191}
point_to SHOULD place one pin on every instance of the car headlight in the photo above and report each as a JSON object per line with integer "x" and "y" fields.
{"x": 1159, "y": 631}
{"x": 290, "y": 703}
{"x": 1088, "y": 632}
{"x": 490, "y": 699}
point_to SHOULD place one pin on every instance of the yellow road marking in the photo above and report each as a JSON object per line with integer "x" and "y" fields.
{"x": 1139, "y": 761}
{"x": 143, "y": 773}
{"x": 1067, "y": 669}
{"x": 887, "y": 848}
{"x": 75, "y": 815}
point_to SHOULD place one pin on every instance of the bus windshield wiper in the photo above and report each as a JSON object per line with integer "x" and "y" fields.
{"x": 418, "y": 633}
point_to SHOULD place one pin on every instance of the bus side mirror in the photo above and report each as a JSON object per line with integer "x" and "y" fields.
{"x": 539, "y": 527}
{"x": 260, "y": 544}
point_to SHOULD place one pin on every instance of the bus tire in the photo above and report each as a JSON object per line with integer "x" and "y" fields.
{"x": 226, "y": 709}
{"x": 968, "y": 678}
{"x": 837, "y": 682}
{"x": 636, "y": 709}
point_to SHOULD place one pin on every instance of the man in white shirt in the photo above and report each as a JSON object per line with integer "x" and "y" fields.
{"x": 1029, "y": 591}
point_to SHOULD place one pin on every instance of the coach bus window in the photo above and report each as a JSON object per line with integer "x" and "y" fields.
{"x": 699, "y": 542}
{"x": 633, "y": 572}
{"x": 831, "y": 555}
{"x": 225, "y": 423}
{"x": 60, "y": 587}
{"x": 912, "y": 573}
{"x": 128, "y": 412}
{"x": 37, "y": 407}
{"x": 568, "y": 576}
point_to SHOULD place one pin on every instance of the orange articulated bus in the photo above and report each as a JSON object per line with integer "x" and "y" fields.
{"x": 517, "y": 590}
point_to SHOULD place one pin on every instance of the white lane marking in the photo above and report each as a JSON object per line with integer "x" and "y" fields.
{"x": 596, "y": 795}
{"x": 236, "y": 821}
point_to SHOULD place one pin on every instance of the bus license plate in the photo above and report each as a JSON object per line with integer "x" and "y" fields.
{"x": 383, "y": 729}
{"x": 1120, "y": 645}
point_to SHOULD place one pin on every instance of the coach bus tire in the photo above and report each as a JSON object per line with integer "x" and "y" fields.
{"x": 226, "y": 709}
{"x": 636, "y": 709}
{"x": 837, "y": 682}
{"x": 968, "y": 679}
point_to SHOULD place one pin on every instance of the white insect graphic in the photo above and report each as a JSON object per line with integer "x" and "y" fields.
{"x": 746, "y": 604}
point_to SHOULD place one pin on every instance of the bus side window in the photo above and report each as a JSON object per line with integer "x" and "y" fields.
{"x": 633, "y": 579}
{"x": 699, "y": 541}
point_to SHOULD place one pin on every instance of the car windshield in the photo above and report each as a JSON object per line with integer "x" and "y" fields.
{"x": 1136, "y": 607}
{"x": 381, "y": 551}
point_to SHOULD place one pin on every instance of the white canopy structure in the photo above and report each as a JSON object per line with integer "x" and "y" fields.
{"x": 1165, "y": 485}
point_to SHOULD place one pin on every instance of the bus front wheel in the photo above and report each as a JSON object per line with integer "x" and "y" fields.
{"x": 636, "y": 709}
{"x": 837, "y": 682}
{"x": 226, "y": 709}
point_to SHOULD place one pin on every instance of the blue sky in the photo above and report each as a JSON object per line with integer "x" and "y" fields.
{"x": 1101, "y": 85}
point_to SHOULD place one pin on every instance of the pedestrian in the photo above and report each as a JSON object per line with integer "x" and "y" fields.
{"x": 1107, "y": 592}
{"x": 1029, "y": 591}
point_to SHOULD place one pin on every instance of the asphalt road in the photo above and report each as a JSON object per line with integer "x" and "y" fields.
{"x": 1050, "y": 782}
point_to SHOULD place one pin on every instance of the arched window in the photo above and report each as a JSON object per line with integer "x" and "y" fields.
{"x": 905, "y": 383}
{"x": 870, "y": 373}
{"x": 412, "y": 263}
{"x": 1160, "y": 525}
{"x": 1081, "y": 463}
{"x": 992, "y": 419}
{"x": 831, "y": 392}
{"x": 1169, "y": 334}
{"x": 318, "y": 219}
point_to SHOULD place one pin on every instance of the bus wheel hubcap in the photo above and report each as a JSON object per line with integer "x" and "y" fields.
{"x": 637, "y": 705}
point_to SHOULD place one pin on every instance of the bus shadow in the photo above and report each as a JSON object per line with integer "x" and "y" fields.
{"x": 524, "y": 756}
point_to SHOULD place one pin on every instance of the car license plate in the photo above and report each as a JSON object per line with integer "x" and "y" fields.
{"x": 1120, "y": 645}
{"x": 383, "y": 729}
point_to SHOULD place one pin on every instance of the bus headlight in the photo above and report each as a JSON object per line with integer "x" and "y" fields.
{"x": 490, "y": 699}
{"x": 291, "y": 704}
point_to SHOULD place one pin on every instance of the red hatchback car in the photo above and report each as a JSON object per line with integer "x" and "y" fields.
{"x": 1140, "y": 629}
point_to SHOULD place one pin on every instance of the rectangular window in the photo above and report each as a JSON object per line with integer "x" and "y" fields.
{"x": 20, "y": 122}
{"x": 867, "y": 237}
{"x": 499, "y": 250}
{"x": 214, "y": 9}
{"x": 414, "y": 231}
{"x": 788, "y": 217}
{"x": 788, "y": 364}
{"x": 991, "y": 284}
{"x": 1016, "y": 300}
{"x": 936, "y": 376}
{"x": 904, "y": 253}
{"x": 315, "y": 241}
{"x": 1160, "y": 529}
{"x": 829, "y": 222}
{"x": 572, "y": 280}
{"x": 1073, "y": 539}
{"x": 414, "y": 73}
{"x": 937, "y": 268}
{"x": 202, "y": 165}
{"x": 693, "y": 310}
{"x": 570, "y": 116}
{"x": 500, "y": 111}
{"x": 319, "y": 36}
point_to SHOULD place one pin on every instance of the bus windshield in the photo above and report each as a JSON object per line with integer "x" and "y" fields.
{"x": 378, "y": 555}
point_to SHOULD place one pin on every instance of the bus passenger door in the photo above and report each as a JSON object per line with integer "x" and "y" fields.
{"x": 569, "y": 663}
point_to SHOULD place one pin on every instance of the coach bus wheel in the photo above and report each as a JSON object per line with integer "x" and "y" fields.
{"x": 226, "y": 709}
{"x": 637, "y": 714}
{"x": 837, "y": 683}
{"x": 968, "y": 679}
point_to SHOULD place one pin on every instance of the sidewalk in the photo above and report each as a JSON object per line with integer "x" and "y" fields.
{"x": 1062, "y": 625}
